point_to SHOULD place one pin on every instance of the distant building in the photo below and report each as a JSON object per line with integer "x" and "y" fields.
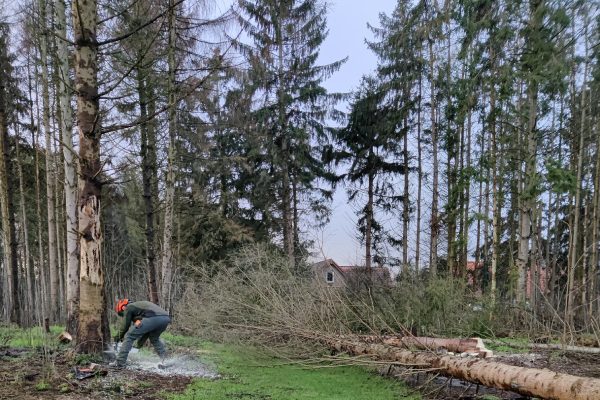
{"x": 329, "y": 272}
{"x": 333, "y": 274}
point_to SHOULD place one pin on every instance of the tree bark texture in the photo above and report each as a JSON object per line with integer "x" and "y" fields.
{"x": 92, "y": 313}
{"x": 9, "y": 242}
{"x": 369, "y": 223}
{"x": 434, "y": 222}
{"x": 29, "y": 275}
{"x": 50, "y": 200}
{"x": 167, "y": 253}
{"x": 148, "y": 153}
{"x": 69, "y": 161}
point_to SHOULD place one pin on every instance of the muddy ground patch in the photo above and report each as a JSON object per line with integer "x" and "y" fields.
{"x": 41, "y": 374}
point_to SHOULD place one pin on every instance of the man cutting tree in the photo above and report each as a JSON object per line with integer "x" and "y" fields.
{"x": 143, "y": 320}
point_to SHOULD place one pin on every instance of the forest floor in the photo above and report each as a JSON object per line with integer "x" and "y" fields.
{"x": 27, "y": 374}
{"x": 48, "y": 372}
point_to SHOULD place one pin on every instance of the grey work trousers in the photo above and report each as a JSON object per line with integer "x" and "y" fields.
{"x": 151, "y": 328}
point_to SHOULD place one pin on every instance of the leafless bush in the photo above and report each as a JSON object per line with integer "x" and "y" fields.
{"x": 256, "y": 296}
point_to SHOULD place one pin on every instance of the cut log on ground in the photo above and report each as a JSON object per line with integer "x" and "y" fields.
{"x": 534, "y": 382}
{"x": 472, "y": 346}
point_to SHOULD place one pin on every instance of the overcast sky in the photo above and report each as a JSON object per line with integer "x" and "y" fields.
{"x": 347, "y": 21}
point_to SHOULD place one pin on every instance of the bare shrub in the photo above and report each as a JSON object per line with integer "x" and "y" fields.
{"x": 256, "y": 296}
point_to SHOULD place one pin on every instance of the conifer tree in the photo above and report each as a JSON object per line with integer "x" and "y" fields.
{"x": 370, "y": 145}
{"x": 287, "y": 82}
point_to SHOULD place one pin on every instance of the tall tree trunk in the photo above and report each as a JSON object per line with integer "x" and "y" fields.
{"x": 574, "y": 237}
{"x": 50, "y": 200}
{"x": 91, "y": 335}
{"x": 593, "y": 306}
{"x": 419, "y": 178}
{"x": 59, "y": 206}
{"x": 405, "y": 203}
{"x": 147, "y": 139}
{"x": 29, "y": 276}
{"x": 369, "y": 223}
{"x": 495, "y": 183}
{"x": 70, "y": 181}
{"x": 42, "y": 270}
{"x": 527, "y": 195}
{"x": 466, "y": 195}
{"x": 296, "y": 216}
{"x": 9, "y": 242}
{"x": 167, "y": 254}
{"x": 480, "y": 192}
{"x": 434, "y": 222}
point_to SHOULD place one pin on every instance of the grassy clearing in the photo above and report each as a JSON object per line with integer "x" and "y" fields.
{"x": 513, "y": 345}
{"x": 12, "y": 336}
{"x": 248, "y": 374}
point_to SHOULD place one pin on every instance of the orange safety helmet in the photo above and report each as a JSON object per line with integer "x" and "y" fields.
{"x": 121, "y": 304}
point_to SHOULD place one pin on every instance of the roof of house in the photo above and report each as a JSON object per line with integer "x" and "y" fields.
{"x": 328, "y": 263}
{"x": 378, "y": 272}
{"x": 473, "y": 265}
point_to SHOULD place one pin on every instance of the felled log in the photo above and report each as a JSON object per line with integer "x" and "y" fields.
{"x": 533, "y": 382}
{"x": 472, "y": 346}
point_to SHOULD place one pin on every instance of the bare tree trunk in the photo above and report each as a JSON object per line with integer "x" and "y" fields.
{"x": 480, "y": 194}
{"x": 495, "y": 186}
{"x": 91, "y": 335}
{"x": 29, "y": 319}
{"x": 369, "y": 223}
{"x": 574, "y": 236}
{"x": 466, "y": 197}
{"x": 148, "y": 153}
{"x": 434, "y": 223}
{"x": 593, "y": 306}
{"x": 419, "y": 178}
{"x": 9, "y": 242}
{"x": 42, "y": 270}
{"x": 167, "y": 255}
{"x": 405, "y": 204}
{"x": 528, "y": 199}
{"x": 70, "y": 182}
{"x": 50, "y": 201}
{"x": 295, "y": 216}
{"x": 59, "y": 207}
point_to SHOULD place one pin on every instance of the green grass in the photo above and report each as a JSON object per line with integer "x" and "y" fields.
{"x": 509, "y": 345}
{"x": 13, "y": 336}
{"x": 247, "y": 374}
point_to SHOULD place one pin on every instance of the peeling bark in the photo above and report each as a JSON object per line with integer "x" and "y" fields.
{"x": 91, "y": 330}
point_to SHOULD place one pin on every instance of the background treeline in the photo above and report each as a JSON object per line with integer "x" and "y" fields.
{"x": 475, "y": 139}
